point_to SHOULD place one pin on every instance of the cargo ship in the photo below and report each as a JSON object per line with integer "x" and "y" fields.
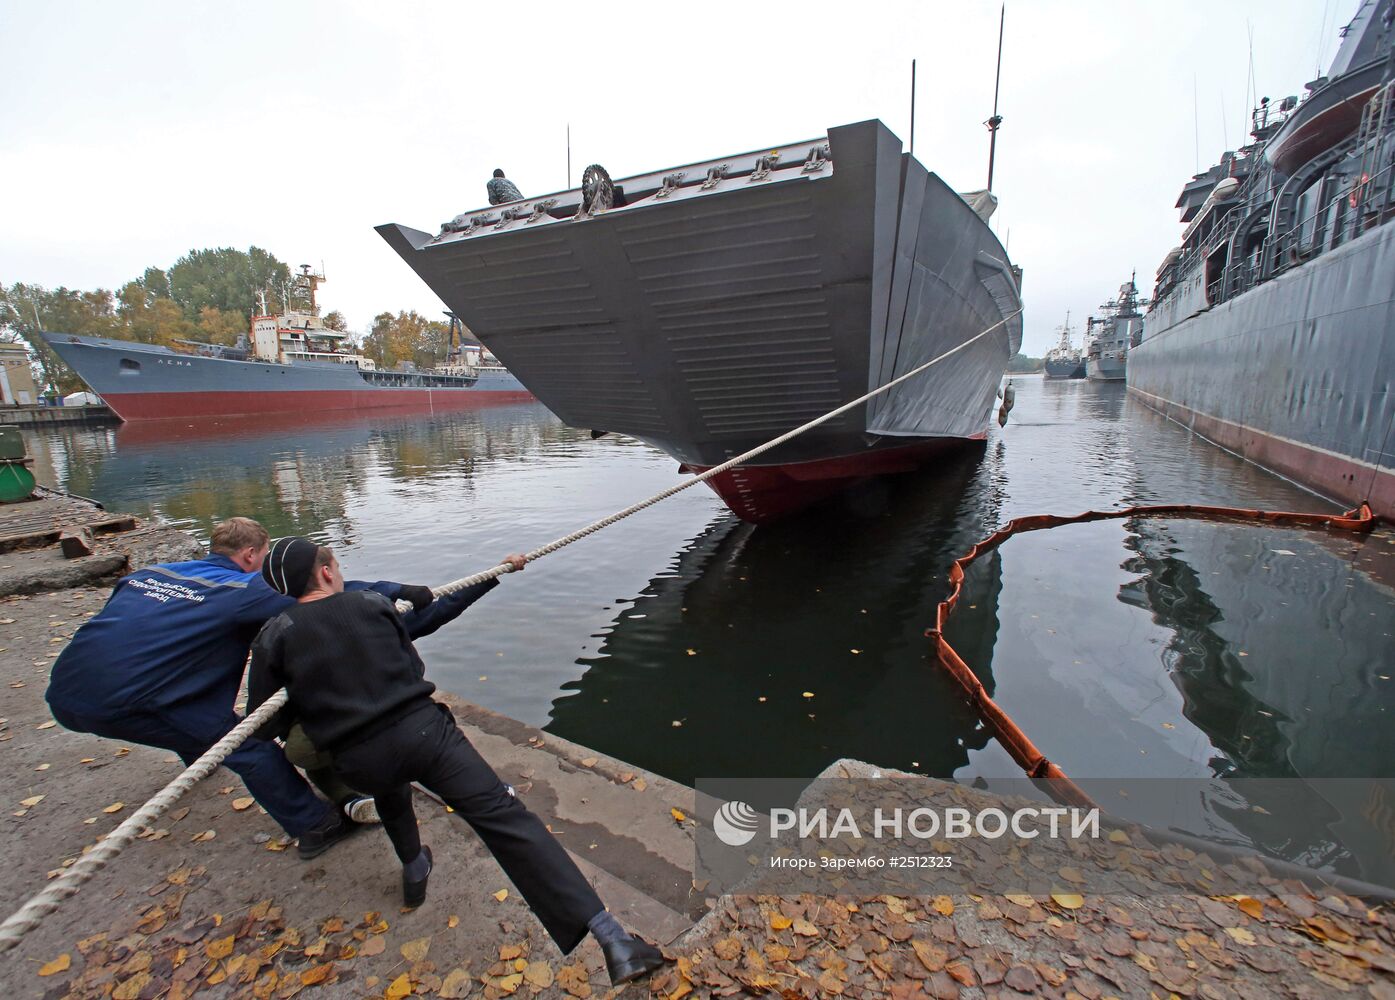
{"x": 706, "y": 308}
{"x": 1270, "y": 327}
{"x": 290, "y": 363}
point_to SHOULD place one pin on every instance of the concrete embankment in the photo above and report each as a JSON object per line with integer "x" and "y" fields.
{"x": 47, "y": 416}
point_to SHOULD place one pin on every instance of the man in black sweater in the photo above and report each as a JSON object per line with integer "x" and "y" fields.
{"x": 358, "y": 687}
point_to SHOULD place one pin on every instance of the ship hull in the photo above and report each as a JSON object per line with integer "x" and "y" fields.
{"x": 709, "y": 322}
{"x": 145, "y": 382}
{"x": 762, "y": 493}
{"x": 1294, "y": 374}
{"x": 1064, "y": 369}
{"x": 1106, "y": 370}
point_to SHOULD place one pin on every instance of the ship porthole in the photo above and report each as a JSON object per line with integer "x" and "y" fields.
{"x": 129, "y": 367}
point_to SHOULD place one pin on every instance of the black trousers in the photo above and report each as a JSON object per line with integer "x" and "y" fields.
{"x": 426, "y": 746}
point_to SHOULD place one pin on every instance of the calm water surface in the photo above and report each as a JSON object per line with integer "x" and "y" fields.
{"x": 1140, "y": 648}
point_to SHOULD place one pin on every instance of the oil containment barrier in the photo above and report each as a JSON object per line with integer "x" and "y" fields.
{"x": 1008, "y": 734}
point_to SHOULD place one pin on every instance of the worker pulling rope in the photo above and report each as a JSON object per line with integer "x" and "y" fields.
{"x": 28, "y": 916}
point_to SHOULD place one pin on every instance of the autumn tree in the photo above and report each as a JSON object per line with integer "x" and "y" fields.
{"x": 228, "y": 280}
{"x": 406, "y": 336}
{"x": 27, "y": 309}
{"x": 335, "y": 321}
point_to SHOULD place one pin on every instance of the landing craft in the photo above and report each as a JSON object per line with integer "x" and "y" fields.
{"x": 707, "y": 308}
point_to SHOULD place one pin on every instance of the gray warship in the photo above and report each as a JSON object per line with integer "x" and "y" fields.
{"x": 706, "y": 308}
{"x": 1110, "y": 335}
{"x": 1270, "y": 328}
{"x": 1065, "y": 360}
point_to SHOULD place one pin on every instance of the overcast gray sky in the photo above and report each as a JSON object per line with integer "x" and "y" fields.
{"x": 132, "y": 132}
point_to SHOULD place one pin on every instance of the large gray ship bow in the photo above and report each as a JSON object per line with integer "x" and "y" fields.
{"x": 708, "y": 308}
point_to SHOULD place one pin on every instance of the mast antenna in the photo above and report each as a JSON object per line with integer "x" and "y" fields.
{"x": 912, "y": 107}
{"x": 997, "y": 119}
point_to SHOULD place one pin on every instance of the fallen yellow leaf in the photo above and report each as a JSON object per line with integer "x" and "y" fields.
{"x": 114, "y": 807}
{"x": 33, "y": 800}
{"x": 508, "y": 984}
{"x": 502, "y": 895}
{"x": 59, "y": 964}
{"x": 415, "y": 951}
{"x": 399, "y": 987}
{"x": 778, "y": 921}
{"x": 243, "y": 803}
{"x": 1240, "y": 935}
{"x": 677, "y": 815}
{"x": 221, "y": 948}
{"x": 453, "y": 922}
{"x": 1068, "y": 900}
{"x": 1119, "y": 837}
{"x": 590, "y": 762}
{"x": 943, "y": 905}
{"x": 1020, "y": 899}
{"x": 1251, "y": 906}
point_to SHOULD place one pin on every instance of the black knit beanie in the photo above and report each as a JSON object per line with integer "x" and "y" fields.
{"x": 289, "y": 564}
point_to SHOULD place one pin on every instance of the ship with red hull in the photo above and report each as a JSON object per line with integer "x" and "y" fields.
{"x": 707, "y": 308}
{"x": 291, "y": 363}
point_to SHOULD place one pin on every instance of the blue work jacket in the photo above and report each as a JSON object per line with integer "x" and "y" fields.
{"x": 178, "y": 632}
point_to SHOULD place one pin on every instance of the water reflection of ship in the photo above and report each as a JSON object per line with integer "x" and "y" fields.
{"x": 297, "y": 473}
{"x": 1278, "y": 698}
{"x": 706, "y": 641}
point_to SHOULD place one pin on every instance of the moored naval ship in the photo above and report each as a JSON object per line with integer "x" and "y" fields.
{"x": 706, "y": 308}
{"x": 292, "y": 363}
{"x": 1065, "y": 360}
{"x": 1270, "y": 328}
{"x": 1110, "y": 335}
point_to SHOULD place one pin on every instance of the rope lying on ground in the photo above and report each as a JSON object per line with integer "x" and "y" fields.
{"x": 998, "y": 722}
{"x": 28, "y": 916}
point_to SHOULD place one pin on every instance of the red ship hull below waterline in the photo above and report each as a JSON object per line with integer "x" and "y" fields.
{"x": 162, "y": 405}
{"x": 761, "y": 493}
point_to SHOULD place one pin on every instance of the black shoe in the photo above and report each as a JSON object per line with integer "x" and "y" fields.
{"x": 414, "y": 893}
{"x": 631, "y": 958}
{"x": 325, "y": 834}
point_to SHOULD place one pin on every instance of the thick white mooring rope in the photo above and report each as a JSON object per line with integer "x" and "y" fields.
{"x": 28, "y": 916}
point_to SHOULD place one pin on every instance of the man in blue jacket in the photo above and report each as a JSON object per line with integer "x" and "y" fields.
{"x": 162, "y": 663}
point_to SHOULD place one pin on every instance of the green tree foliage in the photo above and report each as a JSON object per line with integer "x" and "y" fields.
{"x": 407, "y": 336}
{"x": 228, "y": 280}
{"x": 25, "y": 309}
{"x": 1019, "y": 363}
